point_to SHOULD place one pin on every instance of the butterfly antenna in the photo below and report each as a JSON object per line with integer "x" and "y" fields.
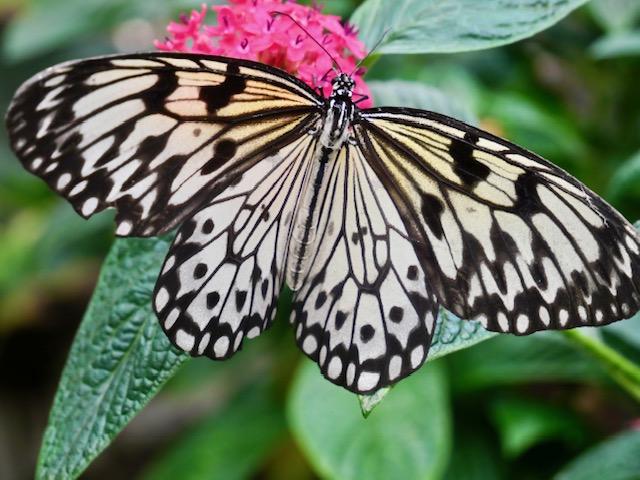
{"x": 377, "y": 44}
{"x": 335, "y": 64}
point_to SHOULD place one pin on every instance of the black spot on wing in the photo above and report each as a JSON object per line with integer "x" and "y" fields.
{"x": 396, "y": 314}
{"x": 241, "y": 297}
{"x": 224, "y": 151}
{"x": 341, "y": 317}
{"x": 154, "y": 98}
{"x": 366, "y": 333}
{"x": 212, "y": 299}
{"x": 200, "y": 271}
{"x": 322, "y": 297}
{"x": 412, "y": 272}
{"x": 470, "y": 170}
{"x": 218, "y": 96}
{"x": 431, "y": 210}
{"x": 207, "y": 226}
{"x": 528, "y": 201}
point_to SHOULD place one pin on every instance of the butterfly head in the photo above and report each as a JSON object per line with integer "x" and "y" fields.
{"x": 343, "y": 85}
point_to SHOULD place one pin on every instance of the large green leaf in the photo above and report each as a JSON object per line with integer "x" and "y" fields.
{"x": 228, "y": 445}
{"x": 408, "y": 436}
{"x": 119, "y": 360}
{"x": 442, "y": 26}
{"x": 509, "y": 360}
{"x": 615, "y": 459}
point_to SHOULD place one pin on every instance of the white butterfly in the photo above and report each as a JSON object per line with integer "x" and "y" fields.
{"x": 373, "y": 217}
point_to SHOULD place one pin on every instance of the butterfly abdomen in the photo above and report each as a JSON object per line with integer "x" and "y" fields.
{"x": 303, "y": 232}
{"x": 332, "y": 136}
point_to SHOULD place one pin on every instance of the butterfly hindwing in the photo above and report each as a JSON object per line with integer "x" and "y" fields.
{"x": 224, "y": 271}
{"x": 153, "y": 135}
{"x": 505, "y": 237}
{"x": 365, "y": 312}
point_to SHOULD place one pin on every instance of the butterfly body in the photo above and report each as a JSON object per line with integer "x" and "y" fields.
{"x": 374, "y": 217}
{"x": 339, "y": 111}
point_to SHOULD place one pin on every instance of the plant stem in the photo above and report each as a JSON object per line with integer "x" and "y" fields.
{"x": 622, "y": 371}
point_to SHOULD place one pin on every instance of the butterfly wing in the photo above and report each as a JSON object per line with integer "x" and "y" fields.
{"x": 224, "y": 271}
{"x": 365, "y": 311}
{"x": 154, "y": 135}
{"x": 504, "y": 236}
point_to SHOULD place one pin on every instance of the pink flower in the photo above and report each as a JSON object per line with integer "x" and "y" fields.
{"x": 249, "y": 29}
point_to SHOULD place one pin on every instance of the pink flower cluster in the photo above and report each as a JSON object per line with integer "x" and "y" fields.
{"x": 249, "y": 29}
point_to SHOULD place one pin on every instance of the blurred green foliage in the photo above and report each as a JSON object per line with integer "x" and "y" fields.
{"x": 526, "y": 408}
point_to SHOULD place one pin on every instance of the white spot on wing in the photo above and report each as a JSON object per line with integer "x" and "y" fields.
{"x": 335, "y": 367}
{"x": 368, "y": 380}
{"x": 204, "y": 343}
{"x": 395, "y": 366}
{"x": 89, "y": 206}
{"x": 184, "y": 340}
{"x": 309, "y": 345}
{"x": 124, "y": 228}
{"x": 522, "y": 323}
{"x": 221, "y": 346}
{"x": 162, "y": 297}
{"x": 171, "y": 318}
{"x": 416, "y": 356}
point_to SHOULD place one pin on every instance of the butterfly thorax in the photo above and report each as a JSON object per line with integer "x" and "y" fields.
{"x": 340, "y": 110}
{"x": 332, "y": 134}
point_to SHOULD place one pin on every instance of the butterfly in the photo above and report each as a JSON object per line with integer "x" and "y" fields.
{"x": 375, "y": 218}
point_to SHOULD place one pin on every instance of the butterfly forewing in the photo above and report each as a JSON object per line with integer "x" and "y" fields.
{"x": 504, "y": 236}
{"x": 365, "y": 311}
{"x": 154, "y": 135}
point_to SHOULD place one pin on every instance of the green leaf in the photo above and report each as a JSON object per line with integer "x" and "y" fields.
{"x": 615, "y": 15}
{"x": 511, "y": 360}
{"x": 621, "y": 44}
{"x": 118, "y": 361}
{"x": 453, "y": 334}
{"x": 228, "y": 445}
{"x": 408, "y": 436}
{"x": 400, "y": 93}
{"x": 613, "y": 459}
{"x": 524, "y": 423}
{"x": 444, "y": 26}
